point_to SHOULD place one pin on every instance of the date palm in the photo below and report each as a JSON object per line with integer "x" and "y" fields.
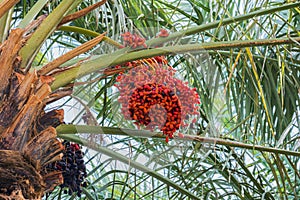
{"x": 248, "y": 135}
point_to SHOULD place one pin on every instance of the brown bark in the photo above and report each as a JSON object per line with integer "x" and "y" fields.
{"x": 17, "y": 174}
{"x": 9, "y": 52}
{"x": 6, "y": 5}
{"x": 28, "y": 140}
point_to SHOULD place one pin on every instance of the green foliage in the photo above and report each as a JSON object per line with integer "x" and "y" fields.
{"x": 250, "y": 95}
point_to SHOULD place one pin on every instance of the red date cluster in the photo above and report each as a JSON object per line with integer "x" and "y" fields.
{"x": 163, "y": 103}
{"x": 163, "y": 33}
{"x": 133, "y": 40}
{"x": 144, "y": 86}
{"x": 152, "y": 96}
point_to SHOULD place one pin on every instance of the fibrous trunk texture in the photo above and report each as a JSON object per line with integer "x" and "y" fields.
{"x": 28, "y": 140}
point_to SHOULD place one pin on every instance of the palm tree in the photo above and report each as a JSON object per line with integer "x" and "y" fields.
{"x": 240, "y": 56}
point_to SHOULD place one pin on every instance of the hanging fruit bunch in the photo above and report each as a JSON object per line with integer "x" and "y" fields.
{"x": 72, "y": 167}
{"x": 151, "y": 95}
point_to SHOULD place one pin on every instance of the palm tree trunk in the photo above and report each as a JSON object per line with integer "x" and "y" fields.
{"x": 28, "y": 140}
